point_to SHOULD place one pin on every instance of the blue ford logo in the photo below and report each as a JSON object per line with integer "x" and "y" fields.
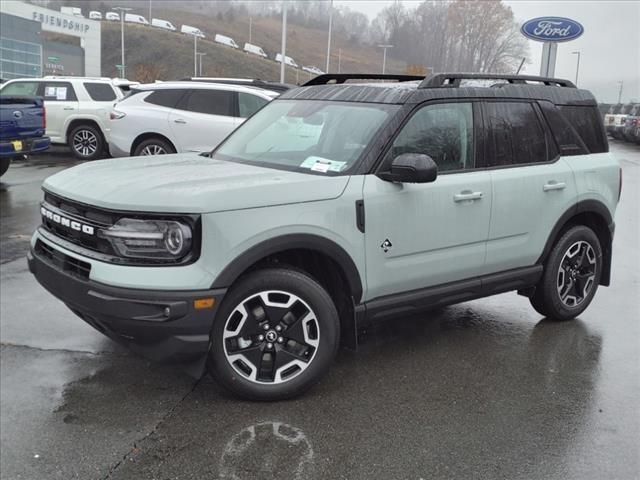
{"x": 552, "y": 29}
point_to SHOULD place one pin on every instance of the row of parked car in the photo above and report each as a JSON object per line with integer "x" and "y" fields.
{"x": 97, "y": 117}
{"x": 622, "y": 121}
{"x": 189, "y": 30}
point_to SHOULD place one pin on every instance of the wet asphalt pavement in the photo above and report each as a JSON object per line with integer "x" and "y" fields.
{"x": 485, "y": 389}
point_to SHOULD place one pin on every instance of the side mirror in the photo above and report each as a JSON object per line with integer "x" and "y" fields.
{"x": 411, "y": 168}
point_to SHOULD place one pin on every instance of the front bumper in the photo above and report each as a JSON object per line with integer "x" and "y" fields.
{"x": 160, "y": 325}
{"x": 29, "y": 145}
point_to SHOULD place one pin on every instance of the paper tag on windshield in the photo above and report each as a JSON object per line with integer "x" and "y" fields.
{"x": 324, "y": 165}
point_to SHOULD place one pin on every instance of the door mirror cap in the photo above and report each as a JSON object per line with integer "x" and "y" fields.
{"x": 411, "y": 168}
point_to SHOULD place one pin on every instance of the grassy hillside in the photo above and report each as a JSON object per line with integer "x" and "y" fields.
{"x": 170, "y": 55}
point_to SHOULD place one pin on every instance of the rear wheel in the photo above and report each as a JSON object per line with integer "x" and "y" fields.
{"x": 153, "y": 146}
{"x": 571, "y": 275}
{"x": 86, "y": 142}
{"x": 275, "y": 335}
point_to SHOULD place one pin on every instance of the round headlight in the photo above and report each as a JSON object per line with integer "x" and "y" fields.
{"x": 174, "y": 239}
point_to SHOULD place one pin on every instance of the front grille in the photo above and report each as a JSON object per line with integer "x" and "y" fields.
{"x": 85, "y": 215}
{"x": 63, "y": 262}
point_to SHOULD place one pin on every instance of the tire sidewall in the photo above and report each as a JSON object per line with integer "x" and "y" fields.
{"x": 99, "y": 146}
{"x": 314, "y": 295}
{"x": 154, "y": 141}
{"x": 556, "y": 307}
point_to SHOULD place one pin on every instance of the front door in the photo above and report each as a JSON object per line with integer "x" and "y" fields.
{"x": 420, "y": 235}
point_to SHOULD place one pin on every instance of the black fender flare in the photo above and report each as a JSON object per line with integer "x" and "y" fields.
{"x": 585, "y": 206}
{"x": 282, "y": 243}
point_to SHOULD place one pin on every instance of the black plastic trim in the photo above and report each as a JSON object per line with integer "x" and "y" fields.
{"x": 343, "y": 77}
{"x": 416, "y": 301}
{"x": 360, "y": 217}
{"x": 258, "y": 252}
{"x": 453, "y": 80}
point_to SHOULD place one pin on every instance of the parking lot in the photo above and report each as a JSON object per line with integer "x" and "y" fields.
{"x": 484, "y": 389}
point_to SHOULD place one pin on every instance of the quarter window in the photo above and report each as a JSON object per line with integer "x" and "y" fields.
{"x": 443, "y": 131}
{"x": 211, "y": 102}
{"x": 587, "y": 122}
{"x": 100, "y": 92}
{"x": 515, "y": 135}
{"x": 249, "y": 104}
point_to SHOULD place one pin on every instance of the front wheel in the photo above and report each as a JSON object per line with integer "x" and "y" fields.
{"x": 571, "y": 275}
{"x": 275, "y": 335}
{"x": 86, "y": 142}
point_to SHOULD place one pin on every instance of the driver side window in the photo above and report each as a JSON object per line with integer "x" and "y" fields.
{"x": 444, "y": 131}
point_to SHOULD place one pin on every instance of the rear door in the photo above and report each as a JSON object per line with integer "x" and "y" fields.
{"x": 532, "y": 185}
{"x": 61, "y": 103}
{"x": 203, "y": 118}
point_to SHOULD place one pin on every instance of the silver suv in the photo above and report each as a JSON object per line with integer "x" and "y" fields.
{"x": 335, "y": 205}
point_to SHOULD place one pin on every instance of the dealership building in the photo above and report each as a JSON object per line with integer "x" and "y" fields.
{"x": 36, "y": 41}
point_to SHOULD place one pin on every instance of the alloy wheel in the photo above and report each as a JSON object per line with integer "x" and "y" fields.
{"x": 271, "y": 337}
{"x": 85, "y": 143}
{"x": 153, "y": 149}
{"x": 576, "y": 274}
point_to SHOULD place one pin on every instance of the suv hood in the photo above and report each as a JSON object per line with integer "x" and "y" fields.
{"x": 188, "y": 183}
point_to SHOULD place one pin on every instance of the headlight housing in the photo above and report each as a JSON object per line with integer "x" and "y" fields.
{"x": 162, "y": 240}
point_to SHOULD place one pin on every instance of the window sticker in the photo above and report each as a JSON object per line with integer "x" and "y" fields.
{"x": 61, "y": 93}
{"x": 50, "y": 92}
{"x": 324, "y": 165}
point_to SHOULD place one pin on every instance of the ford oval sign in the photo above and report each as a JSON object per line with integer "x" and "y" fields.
{"x": 552, "y": 29}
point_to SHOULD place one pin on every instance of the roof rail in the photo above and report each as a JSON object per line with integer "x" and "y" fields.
{"x": 448, "y": 80}
{"x": 343, "y": 77}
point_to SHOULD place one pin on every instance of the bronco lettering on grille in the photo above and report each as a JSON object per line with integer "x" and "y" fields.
{"x": 66, "y": 222}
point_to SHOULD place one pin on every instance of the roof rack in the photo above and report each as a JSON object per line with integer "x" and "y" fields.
{"x": 343, "y": 77}
{"x": 452, "y": 80}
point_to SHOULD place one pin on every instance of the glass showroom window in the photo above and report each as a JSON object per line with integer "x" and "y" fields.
{"x": 20, "y": 59}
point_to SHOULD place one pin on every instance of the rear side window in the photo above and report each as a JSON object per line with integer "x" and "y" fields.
{"x": 166, "y": 97}
{"x": 211, "y": 102}
{"x": 443, "y": 131}
{"x": 21, "y": 88}
{"x": 515, "y": 135}
{"x": 59, "y": 92}
{"x": 100, "y": 92}
{"x": 566, "y": 137}
{"x": 249, "y": 104}
{"x": 586, "y": 121}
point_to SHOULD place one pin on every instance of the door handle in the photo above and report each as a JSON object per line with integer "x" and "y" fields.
{"x": 179, "y": 120}
{"x": 467, "y": 195}
{"x": 553, "y": 185}
{"x": 68, "y": 108}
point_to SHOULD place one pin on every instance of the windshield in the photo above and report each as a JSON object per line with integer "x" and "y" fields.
{"x": 307, "y": 135}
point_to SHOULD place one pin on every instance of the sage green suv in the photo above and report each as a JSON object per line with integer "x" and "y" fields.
{"x": 336, "y": 204}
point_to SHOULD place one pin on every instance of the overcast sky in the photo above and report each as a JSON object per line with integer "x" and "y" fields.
{"x": 609, "y": 48}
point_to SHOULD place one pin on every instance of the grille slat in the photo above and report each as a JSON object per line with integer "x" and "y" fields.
{"x": 63, "y": 262}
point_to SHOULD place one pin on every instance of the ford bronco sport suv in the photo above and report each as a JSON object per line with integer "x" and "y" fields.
{"x": 336, "y": 204}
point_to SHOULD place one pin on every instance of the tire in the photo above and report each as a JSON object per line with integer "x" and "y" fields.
{"x": 154, "y": 146}
{"x": 257, "y": 360}
{"x": 4, "y": 165}
{"x": 86, "y": 142}
{"x": 571, "y": 275}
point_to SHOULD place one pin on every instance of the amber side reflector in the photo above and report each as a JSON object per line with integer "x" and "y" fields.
{"x": 203, "y": 303}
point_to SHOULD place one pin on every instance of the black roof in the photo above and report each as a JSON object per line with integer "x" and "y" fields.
{"x": 442, "y": 86}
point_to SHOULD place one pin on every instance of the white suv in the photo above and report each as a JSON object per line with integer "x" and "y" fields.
{"x": 77, "y": 109}
{"x": 184, "y": 116}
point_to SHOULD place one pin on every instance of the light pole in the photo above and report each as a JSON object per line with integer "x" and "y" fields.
{"x": 329, "y": 35}
{"x": 200, "y": 55}
{"x": 250, "y": 22}
{"x": 384, "y": 56}
{"x": 339, "y": 58}
{"x": 195, "y": 55}
{"x": 577, "y": 65}
{"x": 122, "y": 10}
{"x": 150, "y": 10}
{"x": 283, "y": 46}
{"x": 621, "y": 83}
